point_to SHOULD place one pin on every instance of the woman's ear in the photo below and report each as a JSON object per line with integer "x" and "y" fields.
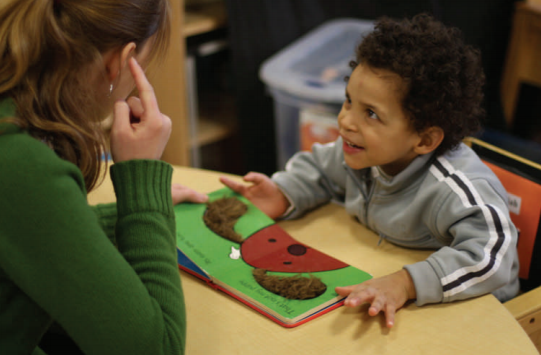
{"x": 430, "y": 139}
{"x": 116, "y": 60}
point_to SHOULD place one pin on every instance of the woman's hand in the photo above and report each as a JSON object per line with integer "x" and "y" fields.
{"x": 139, "y": 130}
{"x": 388, "y": 294}
{"x": 263, "y": 193}
{"x": 181, "y": 193}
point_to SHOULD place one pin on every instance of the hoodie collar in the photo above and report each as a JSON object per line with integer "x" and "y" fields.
{"x": 390, "y": 184}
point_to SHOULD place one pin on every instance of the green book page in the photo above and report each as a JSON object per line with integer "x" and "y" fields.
{"x": 206, "y": 249}
{"x": 220, "y": 259}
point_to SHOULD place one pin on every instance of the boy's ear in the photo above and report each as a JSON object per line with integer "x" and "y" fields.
{"x": 430, "y": 139}
{"x": 117, "y": 60}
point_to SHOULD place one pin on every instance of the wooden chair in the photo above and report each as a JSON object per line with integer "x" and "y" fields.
{"x": 522, "y": 180}
{"x": 523, "y": 60}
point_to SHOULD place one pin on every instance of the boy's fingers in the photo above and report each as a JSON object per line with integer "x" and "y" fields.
{"x": 233, "y": 185}
{"x": 344, "y": 291}
{"x": 375, "y": 307}
{"x": 254, "y": 177}
{"x": 390, "y": 312}
{"x": 360, "y": 296}
{"x": 146, "y": 92}
{"x": 352, "y": 301}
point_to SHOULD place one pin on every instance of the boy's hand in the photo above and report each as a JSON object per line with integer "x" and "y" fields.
{"x": 263, "y": 193}
{"x": 388, "y": 294}
{"x": 181, "y": 193}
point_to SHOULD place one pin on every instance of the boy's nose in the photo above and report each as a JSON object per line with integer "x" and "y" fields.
{"x": 345, "y": 122}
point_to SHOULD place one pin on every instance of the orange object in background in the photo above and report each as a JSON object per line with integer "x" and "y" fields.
{"x": 524, "y": 197}
{"x": 317, "y": 127}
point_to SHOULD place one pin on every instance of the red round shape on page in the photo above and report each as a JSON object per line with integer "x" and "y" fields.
{"x": 273, "y": 249}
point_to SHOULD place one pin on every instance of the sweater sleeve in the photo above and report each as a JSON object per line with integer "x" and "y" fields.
{"x": 106, "y": 213}
{"x": 481, "y": 257}
{"x": 54, "y": 249}
{"x": 313, "y": 178}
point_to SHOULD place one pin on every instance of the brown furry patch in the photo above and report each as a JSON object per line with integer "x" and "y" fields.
{"x": 293, "y": 287}
{"x": 221, "y": 216}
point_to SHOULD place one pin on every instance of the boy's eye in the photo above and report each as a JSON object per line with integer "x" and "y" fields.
{"x": 372, "y": 115}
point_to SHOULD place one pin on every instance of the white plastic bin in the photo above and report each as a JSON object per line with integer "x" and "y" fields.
{"x": 308, "y": 75}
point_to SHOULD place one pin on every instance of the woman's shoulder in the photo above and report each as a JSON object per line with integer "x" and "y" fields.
{"x": 23, "y": 157}
{"x": 18, "y": 148}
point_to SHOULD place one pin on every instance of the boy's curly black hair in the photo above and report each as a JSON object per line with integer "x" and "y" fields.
{"x": 443, "y": 76}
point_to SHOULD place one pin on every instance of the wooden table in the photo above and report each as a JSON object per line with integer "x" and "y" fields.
{"x": 218, "y": 324}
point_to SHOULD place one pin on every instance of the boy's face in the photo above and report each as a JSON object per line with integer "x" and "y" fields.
{"x": 373, "y": 124}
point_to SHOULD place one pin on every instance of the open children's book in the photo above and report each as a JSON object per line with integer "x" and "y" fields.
{"x": 236, "y": 248}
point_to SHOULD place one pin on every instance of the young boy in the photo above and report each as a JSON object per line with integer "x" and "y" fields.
{"x": 401, "y": 168}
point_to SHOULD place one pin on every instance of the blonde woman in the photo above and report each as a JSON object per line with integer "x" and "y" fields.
{"x": 107, "y": 274}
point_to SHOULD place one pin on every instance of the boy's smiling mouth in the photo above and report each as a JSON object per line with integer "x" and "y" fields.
{"x": 353, "y": 145}
{"x": 350, "y": 148}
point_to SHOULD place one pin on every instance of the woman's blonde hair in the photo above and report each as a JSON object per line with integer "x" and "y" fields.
{"x": 49, "y": 50}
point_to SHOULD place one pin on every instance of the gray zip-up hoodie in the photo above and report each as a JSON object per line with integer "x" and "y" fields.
{"x": 452, "y": 203}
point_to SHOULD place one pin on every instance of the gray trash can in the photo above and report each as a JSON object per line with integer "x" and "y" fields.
{"x": 306, "y": 79}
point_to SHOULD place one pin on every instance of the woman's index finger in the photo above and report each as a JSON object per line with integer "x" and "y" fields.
{"x": 146, "y": 92}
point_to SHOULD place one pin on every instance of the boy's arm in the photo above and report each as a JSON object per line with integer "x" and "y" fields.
{"x": 481, "y": 257}
{"x": 313, "y": 178}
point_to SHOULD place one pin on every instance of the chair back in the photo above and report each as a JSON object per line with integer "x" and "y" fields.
{"x": 522, "y": 180}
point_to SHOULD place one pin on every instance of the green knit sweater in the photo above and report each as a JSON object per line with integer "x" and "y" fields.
{"x": 57, "y": 262}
